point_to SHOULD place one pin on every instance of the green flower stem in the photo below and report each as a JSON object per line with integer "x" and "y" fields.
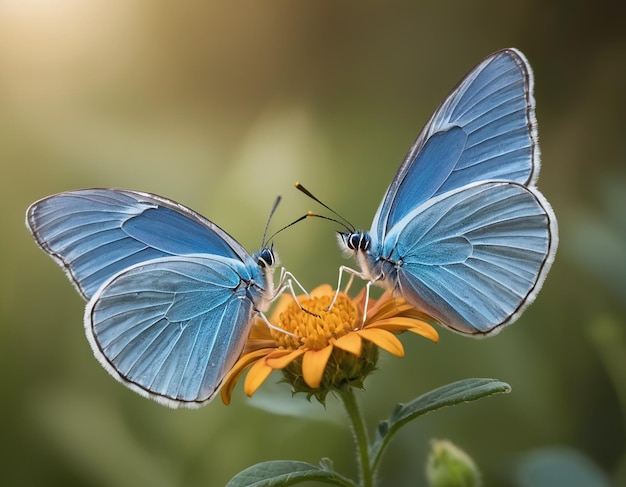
{"x": 360, "y": 435}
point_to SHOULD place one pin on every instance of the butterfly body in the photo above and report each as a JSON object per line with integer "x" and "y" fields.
{"x": 462, "y": 231}
{"x": 171, "y": 296}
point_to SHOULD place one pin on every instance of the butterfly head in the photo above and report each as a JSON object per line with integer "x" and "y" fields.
{"x": 266, "y": 258}
{"x": 354, "y": 242}
{"x": 262, "y": 291}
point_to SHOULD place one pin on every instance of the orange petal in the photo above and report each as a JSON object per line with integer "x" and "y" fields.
{"x": 279, "y": 359}
{"x": 351, "y": 343}
{"x": 260, "y": 331}
{"x": 388, "y": 306}
{"x": 239, "y": 368}
{"x": 322, "y": 290}
{"x": 401, "y": 323}
{"x": 425, "y": 331}
{"x": 256, "y": 376}
{"x": 254, "y": 344}
{"x": 383, "y": 339}
{"x": 380, "y": 303}
{"x": 420, "y": 315}
{"x": 359, "y": 300}
{"x": 313, "y": 365}
{"x": 390, "y": 309}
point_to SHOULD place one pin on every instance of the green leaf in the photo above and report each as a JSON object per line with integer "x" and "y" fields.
{"x": 286, "y": 472}
{"x": 462, "y": 391}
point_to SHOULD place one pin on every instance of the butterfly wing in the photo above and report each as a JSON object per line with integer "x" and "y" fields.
{"x": 173, "y": 327}
{"x": 485, "y": 130}
{"x": 473, "y": 258}
{"x": 171, "y": 295}
{"x": 96, "y": 233}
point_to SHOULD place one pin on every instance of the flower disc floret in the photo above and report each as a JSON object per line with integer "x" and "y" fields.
{"x": 313, "y": 325}
{"x": 320, "y": 349}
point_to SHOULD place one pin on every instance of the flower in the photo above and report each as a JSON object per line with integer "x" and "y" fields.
{"x": 323, "y": 350}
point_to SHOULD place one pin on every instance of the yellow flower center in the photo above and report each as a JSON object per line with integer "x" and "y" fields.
{"x": 316, "y": 328}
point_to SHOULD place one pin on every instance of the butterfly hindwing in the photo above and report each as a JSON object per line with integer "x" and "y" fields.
{"x": 173, "y": 327}
{"x": 473, "y": 258}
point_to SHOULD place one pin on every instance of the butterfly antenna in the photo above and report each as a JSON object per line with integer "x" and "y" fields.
{"x": 334, "y": 220}
{"x": 269, "y": 219}
{"x": 341, "y": 221}
{"x": 303, "y": 217}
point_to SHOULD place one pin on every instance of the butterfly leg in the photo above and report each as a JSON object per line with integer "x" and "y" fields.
{"x": 274, "y": 327}
{"x": 367, "y": 300}
{"x": 285, "y": 275}
{"x": 283, "y": 286}
{"x": 348, "y": 270}
{"x": 285, "y": 283}
{"x": 349, "y": 284}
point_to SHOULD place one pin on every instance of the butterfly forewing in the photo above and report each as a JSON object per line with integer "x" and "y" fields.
{"x": 484, "y": 131}
{"x": 96, "y": 233}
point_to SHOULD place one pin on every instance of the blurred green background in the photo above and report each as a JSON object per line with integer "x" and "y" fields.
{"x": 222, "y": 106}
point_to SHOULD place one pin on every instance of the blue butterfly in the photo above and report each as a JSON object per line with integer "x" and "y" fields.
{"x": 462, "y": 232}
{"x": 171, "y": 296}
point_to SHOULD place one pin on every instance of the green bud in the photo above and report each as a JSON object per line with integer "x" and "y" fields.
{"x": 449, "y": 466}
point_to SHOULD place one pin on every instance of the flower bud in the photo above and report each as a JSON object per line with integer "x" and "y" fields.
{"x": 449, "y": 466}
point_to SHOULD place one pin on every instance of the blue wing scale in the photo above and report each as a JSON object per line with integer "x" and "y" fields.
{"x": 492, "y": 113}
{"x": 171, "y": 296}
{"x": 471, "y": 256}
{"x": 96, "y": 233}
{"x": 462, "y": 231}
{"x": 173, "y": 326}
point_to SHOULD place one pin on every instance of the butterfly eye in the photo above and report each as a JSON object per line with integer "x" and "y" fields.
{"x": 355, "y": 238}
{"x": 266, "y": 258}
{"x": 364, "y": 242}
{"x": 348, "y": 240}
{"x": 356, "y": 241}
